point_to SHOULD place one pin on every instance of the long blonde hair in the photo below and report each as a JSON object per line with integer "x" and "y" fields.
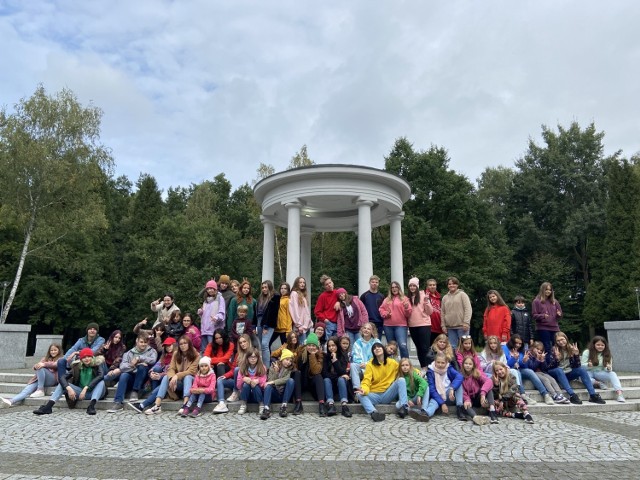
{"x": 503, "y": 384}
{"x": 448, "y": 350}
{"x": 411, "y": 386}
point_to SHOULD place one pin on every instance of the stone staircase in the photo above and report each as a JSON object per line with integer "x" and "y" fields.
{"x": 13, "y": 382}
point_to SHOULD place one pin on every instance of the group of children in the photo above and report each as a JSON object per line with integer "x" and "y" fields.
{"x": 177, "y": 359}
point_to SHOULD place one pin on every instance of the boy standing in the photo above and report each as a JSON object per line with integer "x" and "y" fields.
{"x": 372, "y": 300}
{"x": 521, "y": 321}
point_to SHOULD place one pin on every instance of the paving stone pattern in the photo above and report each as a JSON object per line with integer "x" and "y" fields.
{"x": 126, "y": 445}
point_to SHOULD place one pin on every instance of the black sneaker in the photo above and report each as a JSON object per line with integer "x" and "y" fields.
{"x": 137, "y": 407}
{"x": 377, "y": 416}
{"x": 45, "y": 409}
{"x": 402, "y": 412}
{"x": 91, "y": 409}
{"x": 346, "y": 412}
{"x": 460, "y": 413}
{"x": 331, "y": 410}
{"x": 596, "y": 398}
{"x": 493, "y": 416}
{"x": 266, "y": 413}
{"x": 419, "y": 415}
{"x": 528, "y": 418}
{"x": 283, "y": 411}
{"x": 573, "y": 398}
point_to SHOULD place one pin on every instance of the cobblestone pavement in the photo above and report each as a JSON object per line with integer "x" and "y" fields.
{"x": 131, "y": 446}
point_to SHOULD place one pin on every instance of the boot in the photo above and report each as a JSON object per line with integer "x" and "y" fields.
{"x": 297, "y": 409}
{"x": 345, "y": 411}
{"x": 322, "y": 411}
{"x": 460, "y": 412}
{"x": 331, "y": 410}
{"x": 45, "y": 409}
{"x": 91, "y": 409}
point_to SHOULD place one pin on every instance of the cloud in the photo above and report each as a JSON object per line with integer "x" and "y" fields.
{"x": 195, "y": 88}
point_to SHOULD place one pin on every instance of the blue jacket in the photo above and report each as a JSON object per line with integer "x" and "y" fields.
{"x": 454, "y": 376}
{"x": 84, "y": 343}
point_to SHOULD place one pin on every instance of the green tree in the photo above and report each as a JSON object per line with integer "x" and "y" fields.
{"x": 52, "y": 167}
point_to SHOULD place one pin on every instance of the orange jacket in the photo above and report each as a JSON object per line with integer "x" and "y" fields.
{"x": 497, "y": 321}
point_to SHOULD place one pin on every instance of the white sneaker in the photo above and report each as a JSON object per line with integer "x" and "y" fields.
{"x": 260, "y": 409}
{"x": 234, "y": 397}
{"x": 243, "y": 409}
{"x": 37, "y": 394}
{"x": 221, "y": 408}
{"x": 548, "y": 400}
{"x": 153, "y": 410}
{"x": 621, "y": 398}
{"x": 6, "y": 402}
{"x": 528, "y": 399}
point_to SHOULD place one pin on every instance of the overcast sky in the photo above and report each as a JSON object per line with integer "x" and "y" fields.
{"x": 191, "y": 89}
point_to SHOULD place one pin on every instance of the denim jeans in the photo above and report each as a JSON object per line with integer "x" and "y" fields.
{"x": 454, "y": 335}
{"x": 183, "y": 386}
{"x": 330, "y": 329}
{"x": 562, "y": 379}
{"x": 302, "y": 337}
{"x": 96, "y": 393}
{"x": 249, "y": 393}
{"x": 352, "y": 336}
{"x": 356, "y": 371}
{"x": 205, "y": 340}
{"x": 424, "y": 399}
{"x": 264, "y": 334}
{"x": 271, "y": 393}
{"x": 130, "y": 381}
{"x": 397, "y": 390}
{"x": 342, "y": 389}
{"x": 607, "y": 377}
{"x": 432, "y": 407}
{"x": 582, "y": 374}
{"x": 200, "y": 398}
{"x": 528, "y": 374}
{"x": 547, "y": 337}
{"x": 45, "y": 379}
{"x": 223, "y": 383}
{"x": 399, "y": 334}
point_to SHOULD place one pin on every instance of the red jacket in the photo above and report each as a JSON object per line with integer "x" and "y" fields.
{"x": 219, "y": 356}
{"x": 324, "y": 309}
{"x": 497, "y": 321}
{"x": 208, "y": 382}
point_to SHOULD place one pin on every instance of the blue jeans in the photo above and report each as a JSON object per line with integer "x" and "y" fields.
{"x": 528, "y": 374}
{"x": 562, "y": 379}
{"x": 45, "y": 379}
{"x": 604, "y": 376}
{"x": 249, "y": 393}
{"x": 547, "y": 337}
{"x": 271, "y": 391}
{"x": 96, "y": 393}
{"x": 433, "y": 405}
{"x": 424, "y": 399}
{"x": 130, "y": 381}
{"x": 352, "y": 336}
{"x": 355, "y": 375}
{"x": 201, "y": 399}
{"x": 397, "y": 390}
{"x": 330, "y": 329}
{"x": 302, "y": 337}
{"x": 454, "y": 335}
{"x": 399, "y": 334}
{"x": 264, "y": 334}
{"x": 183, "y": 386}
{"x": 206, "y": 340}
{"x": 223, "y": 383}
{"x": 342, "y": 389}
{"x": 582, "y": 374}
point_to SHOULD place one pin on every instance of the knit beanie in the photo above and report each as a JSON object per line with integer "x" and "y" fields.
{"x": 93, "y": 325}
{"x": 205, "y": 360}
{"x": 86, "y": 352}
{"x": 211, "y": 284}
{"x": 320, "y": 324}
{"x": 286, "y": 353}
{"x": 340, "y": 291}
{"x": 312, "y": 339}
{"x": 224, "y": 279}
{"x": 415, "y": 281}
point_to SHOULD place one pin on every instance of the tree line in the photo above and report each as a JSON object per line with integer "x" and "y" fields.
{"x": 78, "y": 244}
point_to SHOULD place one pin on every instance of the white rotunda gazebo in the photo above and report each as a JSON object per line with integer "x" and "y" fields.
{"x": 331, "y": 198}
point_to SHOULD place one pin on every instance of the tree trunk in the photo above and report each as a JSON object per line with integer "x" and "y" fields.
{"x": 23, "y": 257}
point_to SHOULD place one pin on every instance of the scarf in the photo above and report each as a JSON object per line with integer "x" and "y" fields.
{"x": 441, "y": 384}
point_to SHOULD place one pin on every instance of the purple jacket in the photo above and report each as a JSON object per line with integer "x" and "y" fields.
{"x": 549, "y": 322}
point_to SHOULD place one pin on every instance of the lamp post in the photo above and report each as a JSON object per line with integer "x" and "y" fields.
{"x": 638, "y": 299}
{"x": 5, "y": 284}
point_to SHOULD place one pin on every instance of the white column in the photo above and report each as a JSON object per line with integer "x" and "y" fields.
{"x": 293, "y": 240}
{"x": 268, "y": 247}
{"x": 397, "y": 273}
{"x": 305, "y": 258}
{"x": 365, "y": 252}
